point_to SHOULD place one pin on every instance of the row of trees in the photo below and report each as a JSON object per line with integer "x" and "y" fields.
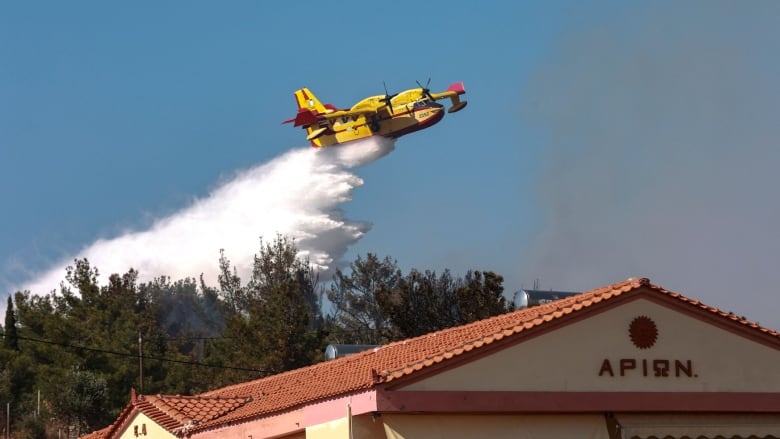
{"x": 69, "y": 358}
{"x": 374, "y": 303}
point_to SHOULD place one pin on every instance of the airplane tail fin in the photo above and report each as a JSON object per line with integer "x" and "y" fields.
{"x": 457, "y": 88}
{"x": 309, "y": 108}
{"x": 307, "y": 101}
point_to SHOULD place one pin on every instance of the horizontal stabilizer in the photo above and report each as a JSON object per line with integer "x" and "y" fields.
{"x": 304, "y": 118}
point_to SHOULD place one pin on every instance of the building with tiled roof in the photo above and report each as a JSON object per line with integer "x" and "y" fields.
{"x": 629, "y": 360}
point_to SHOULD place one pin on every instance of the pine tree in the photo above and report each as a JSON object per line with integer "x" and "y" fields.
{"x": 422, "y": 302}
{"x": 11, "y": 337}
{"x": 273, "y": 322}
{"x": 481, "y": 296}
{"x": 287, "y": 320}
{"x": 357, "y": 316}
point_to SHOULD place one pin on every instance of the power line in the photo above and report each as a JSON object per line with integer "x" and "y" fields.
{"x": 195, "y": 337}
{"x": 126, "y": 354}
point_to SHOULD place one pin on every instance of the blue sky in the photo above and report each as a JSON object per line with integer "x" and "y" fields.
{"x": 601, "y": 141}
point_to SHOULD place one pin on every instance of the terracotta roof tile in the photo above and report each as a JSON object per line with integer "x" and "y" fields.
{"x": 174, "y": 413}
{"x": 181, "y": 411}
{"x": 99, "y": 434}
{"x": 385, "y": 364}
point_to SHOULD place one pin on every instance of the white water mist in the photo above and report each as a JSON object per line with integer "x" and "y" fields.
{"x": 297, "y": 194}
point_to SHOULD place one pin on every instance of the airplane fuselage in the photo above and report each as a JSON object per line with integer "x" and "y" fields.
{"x": 404, "y": 119}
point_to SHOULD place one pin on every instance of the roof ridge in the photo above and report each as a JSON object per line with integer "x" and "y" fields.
{"x": 204, "y": 396}
{"x": 715, "y": 310}
{"x": 517, "y": 321}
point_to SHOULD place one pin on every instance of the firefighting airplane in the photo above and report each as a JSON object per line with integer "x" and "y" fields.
{"x": 383, "y": 115}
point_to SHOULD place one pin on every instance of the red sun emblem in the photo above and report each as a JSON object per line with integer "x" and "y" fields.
{"x": 643, "y": 332}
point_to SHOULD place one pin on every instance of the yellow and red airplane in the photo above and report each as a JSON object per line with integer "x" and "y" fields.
{"x": 383, "y": 115}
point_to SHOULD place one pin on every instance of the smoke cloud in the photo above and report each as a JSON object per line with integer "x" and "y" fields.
{"x": 661, "y": 155}
{"x": 297, "y": 194}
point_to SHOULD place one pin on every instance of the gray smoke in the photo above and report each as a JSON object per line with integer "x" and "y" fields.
{"x": 661, "y": 155}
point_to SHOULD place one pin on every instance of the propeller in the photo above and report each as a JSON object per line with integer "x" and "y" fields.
{"x": 387, "y": 98}
{"x": 425, "y": 90}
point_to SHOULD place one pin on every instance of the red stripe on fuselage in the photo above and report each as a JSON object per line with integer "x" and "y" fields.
{"x": 419, "y": 125}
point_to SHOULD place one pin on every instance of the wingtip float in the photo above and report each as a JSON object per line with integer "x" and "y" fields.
{"x": 385, "y": 115}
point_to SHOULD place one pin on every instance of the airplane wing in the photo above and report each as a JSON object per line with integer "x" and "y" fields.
{"x": 348, "y": 113}
{"x": 453, "y": 93}
{"x": 306, "y": 117}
